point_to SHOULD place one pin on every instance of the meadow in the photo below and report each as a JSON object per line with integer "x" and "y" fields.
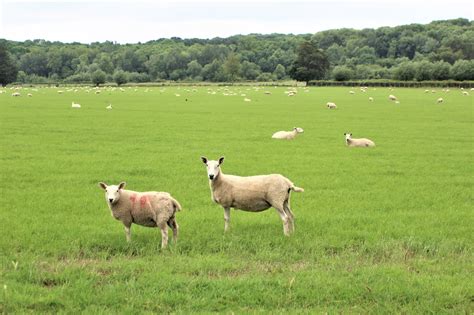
{"x": 382, "y": 230}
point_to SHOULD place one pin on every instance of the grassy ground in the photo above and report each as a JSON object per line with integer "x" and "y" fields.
{"x": 378, "y": 230}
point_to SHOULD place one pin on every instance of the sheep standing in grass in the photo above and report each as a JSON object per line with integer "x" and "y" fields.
{"x": 151, "y": 209}
{"x": 288, "y": 135}
{"x": 16, "y": 94}
{"x": 362, "y": 142}
{"x": 439, "y": 100}
{"x": 466, "y": 93}
{"x": 252, "y": 193}
{"x": 331, "y": 105}
{"x": 109, "y": 107}
{"x": 392, "y": 97}
{"x": 371, "y": 99}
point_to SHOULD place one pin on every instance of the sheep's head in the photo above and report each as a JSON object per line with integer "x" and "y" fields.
{"x": 298, "y": 129}
{"x": 213, "y": 167}
{"x": 112, "y": 192}
{"x": 348, "y": 136}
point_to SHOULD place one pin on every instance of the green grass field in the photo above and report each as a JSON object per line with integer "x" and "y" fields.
{"x": 383, "y": 230}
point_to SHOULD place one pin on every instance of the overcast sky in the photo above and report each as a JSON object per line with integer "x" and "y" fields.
{"x": 128, "y": 21}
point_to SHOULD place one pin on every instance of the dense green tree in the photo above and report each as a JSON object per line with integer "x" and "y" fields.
{"x": 232, "y": 66}
{"x": 8, "y": 68}
{"x": 441, "y": 70}
{"x": 342, "y": 73}
{"x": 405, "y": 71}
{"x": 98, "y": 77}
{"x": 194, "y": 69}
{"x": 279, "y": 72}
{"x": 120, "y": 77}
{"x": 463, "y": 70}
{"x": 250, "y": 70}
{"x": 423, "y": 71}
{"x": 311, "y": 63}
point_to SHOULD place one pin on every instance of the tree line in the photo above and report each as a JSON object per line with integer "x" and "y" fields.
{"x": 440, "y": 50}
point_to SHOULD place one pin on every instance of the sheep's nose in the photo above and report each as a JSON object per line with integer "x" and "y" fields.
{"x": 211, "y": 176}
{"x": 110, "y": 200}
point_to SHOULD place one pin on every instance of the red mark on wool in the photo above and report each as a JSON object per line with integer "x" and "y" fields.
{"x": 143, "y": 201}
{"x": 133, "y": 198}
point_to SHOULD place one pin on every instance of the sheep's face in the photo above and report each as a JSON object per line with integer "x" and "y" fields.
{"x": 348, "y": 136}
{"x": 112, "y": 192}
{"x": 213, "y": 167}
{"x": 299, "y": 130}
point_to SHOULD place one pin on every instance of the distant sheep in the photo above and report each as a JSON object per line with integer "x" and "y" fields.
{"x": 288, "y": 135}
{"x": 362, "y": 142}
{"x": 392, "y": 97}
{"x": 331, "y": 105}
{"x": 75, "y": 105}
{"x": 247, "y": 100}
{"x": 439, "y": 100}
{"x": 465, "y": 93}
{"x": 351, "y": 92}
{"x": 151, "y": 209}
{"x": 16, "y": 94}
{"x": 109, "y": 107}
{"x": 252, "y": 193}
{"x": 371, "y": 99}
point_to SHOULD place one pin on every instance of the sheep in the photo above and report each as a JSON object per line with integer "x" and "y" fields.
{"x": 288, "y": 135}
{"x": 60, "y": 92}
{"x": 439, "y": 100}
{"x": 427, "y": 91}
{"x": 351, "y": 92}
{"x": 29, "y": 95}
{"x": 392, "y": 97}
{"x": 269, "y": 93}
{"x": 371, "y": 99}
{"x": 247, "y": 100}
{"x": 75, "y": 105}
{"x": 465, "y": 93}
{"x": 252, "y": 193}
{"x": 362, "y": 142}
{"x": 150, "y": 209}
{"x": 109, "y": 107}
{"x": 16, "y": 94}
{"x": 331, "y": 105}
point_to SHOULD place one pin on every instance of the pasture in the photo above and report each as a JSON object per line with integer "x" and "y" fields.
{"x": 380, "y": 230}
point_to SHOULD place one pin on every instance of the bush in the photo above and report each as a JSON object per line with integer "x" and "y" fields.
{"x": 342, "y": 73}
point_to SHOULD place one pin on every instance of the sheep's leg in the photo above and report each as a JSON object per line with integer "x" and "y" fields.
{"x": 164, "y": 235}
{"x": 285, "y": 220}
{"x": 226, "y": 219}
{"x": 175, "y": 227}
{"x": 291, "y": 216}
{"x": 127, "y": 233}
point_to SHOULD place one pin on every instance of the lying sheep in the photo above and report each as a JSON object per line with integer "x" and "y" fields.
{"x": 16, "y": 94}
{"x": 247, "y": 100}
{"x": 351, "y": 92}
{"x": 75, "y": 105}
{"x": 331, "y": 105}
{"x": 252, "y": 193}
{"x": 439, "y": 100}
{"x": 392, "y": 97}
{"x": 288, "y": 135}
{"x": 465, "y": 93}
{"x": 109, "y": 107}
{"x": 371, "y": 99}
{"x": 362, "y": 142}
{"x": 151, "y": 209}
{"x": 29, "y": 95}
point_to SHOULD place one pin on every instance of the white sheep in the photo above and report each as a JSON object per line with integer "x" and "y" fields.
{"x": 75, "y": 105}
{"x": 16, "y": 94}
{"x": 288, "y": 135}
{"x": 252, "y": 193}
{"x": 247, "y": 100}
{"x": 351, "y": 92}
{"x": 362, "y": 142}
{"x": 109, "y": 107}
{"x": 269, "y": 93}
{"x": 371, "y": 99}
{"x": 29, "y": 95}
{"x": 151, "y": 209}
{"x": 465, "y": 93}
{"x": 331, "y": 105}
{"x": 392, "y": 97}
{"x": 439, "y": 100}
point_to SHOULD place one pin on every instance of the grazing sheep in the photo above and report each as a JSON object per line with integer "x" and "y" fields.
{"x": 151, "y": 209}
{"x": 75, "y": 105}
{"x": 427, "y": 91}
{"x": 109, "y": 107}
{"x": 288, "y": 135}
{"x": 331, "y": 105}
{"x": 269, "y": 93}
{"x": 465, "y": 93}
{"x": 362, "y": 142}
{"x": 252, "y": 193}
{"x": 439, "y": 100}
{"x": 60, "y": 92}
{"x": 16, "y": 94}
{"x": 392, "y": 97}
{"x": 29, "y": 95}
{"x": 371, "y": 99}
{"x": 351, "y": 92}
{"x": 247, "y": 100}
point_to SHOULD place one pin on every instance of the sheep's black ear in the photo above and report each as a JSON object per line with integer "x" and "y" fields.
{"x": 103, "y": 185}
{"x": 122, "y": 185}
{"x": 221, "y": 160}
{"x": 344, "y": 133}
{"x": 351, "y": 134}
{"x": 204, "y": 159}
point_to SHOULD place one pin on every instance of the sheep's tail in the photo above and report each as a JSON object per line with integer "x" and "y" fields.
{"x": 296, "y": 189}
{"x": 177, "y": 206}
